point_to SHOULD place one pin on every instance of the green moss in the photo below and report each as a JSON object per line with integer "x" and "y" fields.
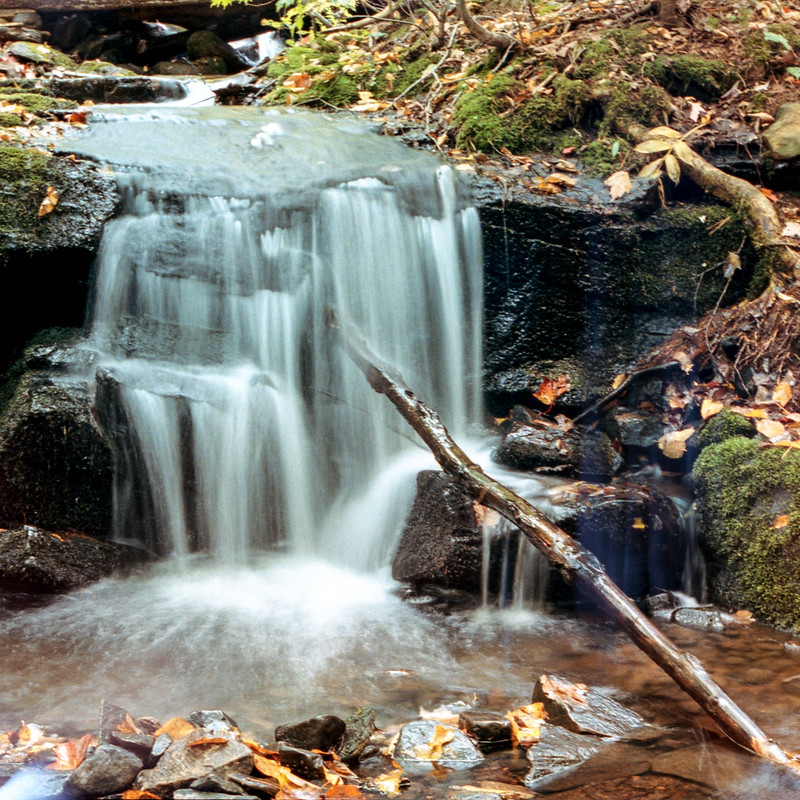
{"x": 761, "y": 51}
{"x": 104, "y": 68}
{"x": 595, "y": 60}
{"x": 749, "y": 499}
{"x": 24, "y": 177}
{"x": 626, "y": 107}
{"x": 36, "y": 102}
{"x": 723, "y": 426}
{"x": 704, "y": 78}
{"x": 8, "y": 120}
{"x": 758, "y": 102}
{"x": 412, "y": 72}
{"x": 476, "y": 117}
{"x": 618, "y": 46}
{"x": 598, "y": 159}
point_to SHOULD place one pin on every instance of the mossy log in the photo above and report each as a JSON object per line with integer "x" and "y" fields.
{"x": 574, "y": 560}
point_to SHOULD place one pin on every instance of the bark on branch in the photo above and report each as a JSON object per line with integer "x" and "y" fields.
{"x": 563, "y": 551}
{"x": 501, "y": 41}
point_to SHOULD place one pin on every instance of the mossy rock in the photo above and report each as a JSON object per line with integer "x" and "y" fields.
{"x": 625, "y": 107}
{"x": 750, "y": 508}
{"x": 761, "y": 50}
{"x": 704, "y": 78}
{"x": 105, "y": 68}
{"x": 36, "y": 102}
{"x": 9, "y": 120}
{"x": 723, "y": 426}
{"x": 41, "y": 54}
{"x": 617, "y": 46}
{"x": 25, "y": 175}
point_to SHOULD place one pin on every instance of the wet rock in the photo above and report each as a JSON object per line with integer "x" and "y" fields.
{"x": 183, "y": 763}
{"x": 783, "y": 136}
{"x": 148, "y": 724}
{"x": 413, "y": 745}
{"x": 55, "y": 462}
{"x": 546, "y": 447}
{"x": 106, "y": 770}
{"x": 41, "y": 54}
{"x": 113, "y": 89}
{"x": 69, "y": 30}
{"x": 635, "y": 531}
{"x": 162, "y": 742}
{"x": 691, "y": 763}
{"x": 23, "y": 35}
{"x": 175, "y": 68}
{"x": 206, "y": 44}
{"x": 28, "y": 17}
{"x": 213, "y": 783}
{"x": 556, "y": 751}
{"x": 115, "y": 719}
{"x": 359, "y": 728}
{"x": 490, "y": 730}
{"x": 441, "y": 543}
{"x": 583, "y": 710}
{"x": 640, "y": 429}
{"x": 303, "y": 762}
{"x": 210, "y": 65}
{"x": 263, "y": 787}
{"x": 215, "y": 721}
{"x": 319, "y": 733}
{"x": 707, "y": 618}
{"x": 195, "y": 794}
{"x": 39, "y": 562}
{"x": 140, "y": 744}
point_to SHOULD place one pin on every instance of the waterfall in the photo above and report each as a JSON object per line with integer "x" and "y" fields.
{"x": 239, "y": 424}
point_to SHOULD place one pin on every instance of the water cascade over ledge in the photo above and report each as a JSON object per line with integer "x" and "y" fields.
{"x": 239, "y": 423}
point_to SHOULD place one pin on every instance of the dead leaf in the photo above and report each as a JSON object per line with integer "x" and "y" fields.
{"x": 770, "y": 428}
{"x": 710, "y": 407}
{"x": 484, "y": 518}
{"x": 508, "y": 791}
{"x": 297, "y": 82}
{"x": 208, "y": 740}
{"x": 781, "y": 521}
{"x": 69, "y": 755}
{"x": 619, "y": 380}
{"x": 639, "y": 524}
{"x": 673, "y": 445}
{"x": 443, "y": 713}
{"x": 344, "y": 792}
{"x": 551, "y": 389}
{"x": 782, "y": 394}
{"x": 526, "y": 724}
{"x": 389, "y": 783}
{"x": 791, "y": 229}
{"x": 744, "y": 616}
{"x": 139, "y": 794}
{"x": 49, "y": 203}
{"x": 756, "y": 413}
{"x": 618, "y": 184}
{"x": 176, "y": 728}
{"x": 432, "y": 750}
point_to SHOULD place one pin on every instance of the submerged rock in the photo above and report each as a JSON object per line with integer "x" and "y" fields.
{"x": 556, "y": 751}
{"x": 417, "y": 743}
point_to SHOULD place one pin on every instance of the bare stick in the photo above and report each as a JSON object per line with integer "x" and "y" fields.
{"x": 570, "y": 556}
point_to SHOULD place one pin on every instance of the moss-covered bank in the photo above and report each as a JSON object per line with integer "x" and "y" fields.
{"x": 750, "y": 504}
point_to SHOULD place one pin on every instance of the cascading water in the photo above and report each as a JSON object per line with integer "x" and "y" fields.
{"x": 244, "y": 425}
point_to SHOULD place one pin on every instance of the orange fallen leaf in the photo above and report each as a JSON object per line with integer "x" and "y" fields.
{"x": 176, "y": 728}
{"x": 139, "y": 794}
{"x": 756, "y": 413}
{"x": 770, "y": 428}
{"x": 782, "y": 394}
{"x": 344, "y": 792}
{"x": 208, "y": 740}
{"x": 673, "y": 445}
{"x": 551, "y": 389}
{"x": 526, "y": 724}
{"x": 781, "y": 521}
{"x": 49, "y": 203}
{"x": 432, "y": 750}
{"x": 69, "y": 755}
{"x": 710, "y": 407}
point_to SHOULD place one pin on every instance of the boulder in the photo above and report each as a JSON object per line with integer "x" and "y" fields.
{"x": 213, "y": 720}
{"x": 104, "y": 88}
{"x": 417, "y": 743}
{"x": 581, "y": 709}
{"x": 318, "y": 733}
{"x": 636, "y": 428}
{"x": 490, "y": 730}
{"x": 557, "y": 750}
{"x": 115, "y": 720}
{"x": 41, "y": 55}
{"x": 36, "y": 561}
{"x": 105, "y": 770}
{"x": 783, "y": 136}
{"x": 55, "y": 462}
{"x": 184, "y": 762}
{"x": 206, "y": 44}
{"x": 359, "y": 727}
{"x": 302, "y": 762}
{"x": 748, "y": 497}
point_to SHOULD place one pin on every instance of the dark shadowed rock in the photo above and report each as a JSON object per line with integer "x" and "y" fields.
{"x": 415, "y": 737}
{"x": 205, "y": 44}
{"x": 115, "y": 720}
{"x": 637, "y": 428}
{"x": 490, "y": 730}
{"x": 107, "y": 770}
{"x": 581, "y": 709}
{"x": 183, "y": 762}
{"x": 558, "y": 750}
{"x": 303, "y": 762}
{"x": 38, "y": 561}
{"x": 319, "y": 733}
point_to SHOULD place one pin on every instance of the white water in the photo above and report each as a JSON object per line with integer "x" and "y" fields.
{"x": 246, "y": 426}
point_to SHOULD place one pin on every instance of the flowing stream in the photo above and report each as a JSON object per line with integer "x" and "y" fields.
{"x": 253, "y": 456}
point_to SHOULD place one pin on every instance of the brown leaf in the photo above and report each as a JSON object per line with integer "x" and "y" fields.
{"x": 389, "y": 783}
{"x": 710, "y": 407}
{"x": 69, "y": 755}
{"x": 208, "y": 740}
{"x": 673, "y": 445}
{"x": 49, "y": 203}
{"x": 139, "y": 794}
{"x": 344, "y": 792}
{"x": 176, "y": 728}
{"x": 551, "y": 389}
{"x": 526, "y": 724}
{"x": 782, "y": 394}
{"x": 770, "y": 428}
{"x": 618, "y": 184}
{"x": 781, "y": 521}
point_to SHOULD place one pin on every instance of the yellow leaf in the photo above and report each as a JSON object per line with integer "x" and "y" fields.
{"x": 389, "y": 784}
{"x": 526, "y": 723}
{"x": 710, "y": 407}
{"x": 781, "y": 521}
{"x": 654, "y": 146}
{"x": 673, "y": 445}
{"x": 669, "y": 133}
{"x": 176, "y": 728}
{"x": 49, "y": 203}
{"x": 639, "y": 524}
{"x": 673, "y": 167}
{"x": 782, "y": 394}
{"x": 619, "y": 380}
{"x": 770, "y": 428}
{"x": 757, "y": 413}
{"x": 432, "y": 750}
{"x": 653, "y": 169}
{"x": 682, "y": 150}
{"x": 618, "y": 184}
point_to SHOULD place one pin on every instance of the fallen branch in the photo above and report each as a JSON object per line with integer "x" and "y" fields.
{"x": 502, "y": 41}
{"x": 365, "y": 22}
{"x": 570, "y": 556}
